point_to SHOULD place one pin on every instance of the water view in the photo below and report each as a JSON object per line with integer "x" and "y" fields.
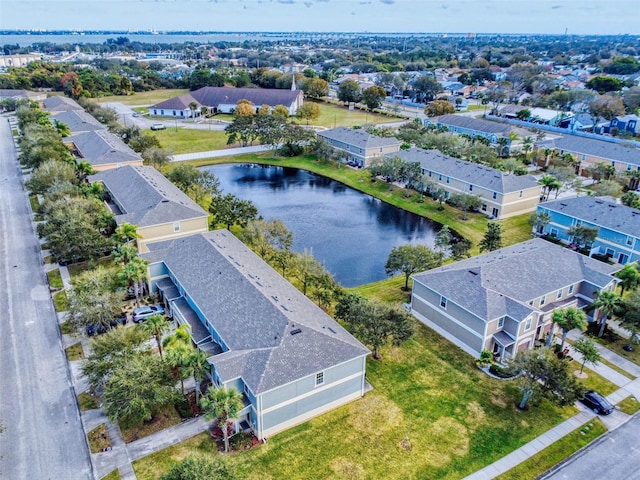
{"x": 349, "y": 232}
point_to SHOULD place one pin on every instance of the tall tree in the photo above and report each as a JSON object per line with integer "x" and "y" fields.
{"x": 308, "y": 111}
{"x": 229, "y": 210}
{"x": 492, "y": 239}
{"x": 539, "y": 220}
{"x": 589, "y": 351}
{"x": 373, "y": 97}
{"x": 629, "y": 277}
{"x": 465, "y": 202}
{"x": 583, "y": 235}
{"x": 224, "y": 405}
{"x": 567, "y": 320}
{"x": 409, "y": 259}
{"x": 607, "y": 304}
{"x": 439, "y": 107}
{"x": 266, "y": 237}
{"x": 349, "y": 92}
{"x": 156, "y": 326}
{"x": 542, "y": 374}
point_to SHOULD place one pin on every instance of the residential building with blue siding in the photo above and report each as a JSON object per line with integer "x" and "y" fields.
{"x": 288, "y": 358}
{"x": 618, "y": 225}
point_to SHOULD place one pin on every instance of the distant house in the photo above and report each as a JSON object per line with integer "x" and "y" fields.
{"x": 289, "y": 360}
{"x": 618, "y": 226}
{"x": 18, "y": 94}
{"x": 589, "y": 152}
{"x": 580, "y": 121}
{"x": 361, "y": 146}
{"x": 142, "y": 196}
{"x": 78, "y": 121}
{"x": 503, "y": 195}
{"x": 225, "y": 100}
{"x": 503, "y": 301}
{"x": 625, "y": 123}
{"x": 475, "y": 127}
{"x": 542, "y": 116}
{"x": 59, "y": 103}
{"x": 101, "y": 149}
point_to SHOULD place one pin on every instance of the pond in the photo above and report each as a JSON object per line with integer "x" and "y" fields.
{"x": 349, "y": 232}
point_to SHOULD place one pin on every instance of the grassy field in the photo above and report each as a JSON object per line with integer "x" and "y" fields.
{"x": 432, "y": 415}
{"x": 339, "y": 116}
{"x": 75, "y": 352}
{"x": 144, "y": 98}
{"x": 115, "y": 475}
{"x": 87, "y": 401}
{"x": 55, "y": 279}
{"x": 594, "y": 381}
{"x": 60, "y": 301}
{"x": 556, "y": 452}
{"x": 515, "y": 229}
{"x": 186, "y": 140}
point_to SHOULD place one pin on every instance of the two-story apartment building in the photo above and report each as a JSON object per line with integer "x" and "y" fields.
{"x": 267, "y": 340}
{"x": 503, "y": 195}
{"x": 618, "y": 225}
{"x": 60, "y": 103}
{"x": 78, "y": 121}
{"x": 503, "y": 301}
{"x": 102, "y": 150}
{"x": 142, "y": 196}
{"x": 589, "y": 152}
{"x": 360, "y": 146}
{"x": 475, "y": 127}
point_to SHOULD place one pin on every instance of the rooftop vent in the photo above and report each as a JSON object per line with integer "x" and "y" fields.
{"x": 296, "y": 331}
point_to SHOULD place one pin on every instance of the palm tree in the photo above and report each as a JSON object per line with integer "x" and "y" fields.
{"x": 156, "y": 326}
{"x": 569, "y": 319}
{"x": 177, "y": 357}
{"x": 527, "y": 146}
{"x": 549, "y": 183}
{"x": 607, "y": 304}
{"x": 127, "y": 232}
{"x": 197, "y": 367}
{"x": 629, "y": 277}
{"x": 224, "y": 405}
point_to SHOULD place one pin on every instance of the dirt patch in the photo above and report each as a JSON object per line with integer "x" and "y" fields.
{"x": 444, "y": 439}
{"x": 476, "y": 416}
{"x": 99, "y": 440}
{"x": 374, "y": 415}
{"x": 580, "y": 375}
{"x": 346, "y": 469}
{"x": 498, "y": 400}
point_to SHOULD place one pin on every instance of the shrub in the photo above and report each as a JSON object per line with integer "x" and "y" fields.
{"x": 499, "y": 371}
{"x": 183, "y": 408}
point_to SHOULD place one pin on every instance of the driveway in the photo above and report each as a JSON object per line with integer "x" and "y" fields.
{"x": 41, "y": 436}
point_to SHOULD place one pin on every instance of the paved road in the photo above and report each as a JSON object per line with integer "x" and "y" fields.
{"x": 41, "y": 436}
{"x": 615, "y": 456}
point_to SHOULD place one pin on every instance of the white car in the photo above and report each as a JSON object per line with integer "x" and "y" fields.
{"x": 158, "y": 126}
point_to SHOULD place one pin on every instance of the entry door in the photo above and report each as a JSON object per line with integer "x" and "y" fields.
{"x": 494, "y": 212}
{"x": 623, "y": 258}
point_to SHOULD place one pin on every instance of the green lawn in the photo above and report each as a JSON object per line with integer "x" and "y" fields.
{"x": 616, "y": 344}
{"x": 556, "y": 452}
{"x": 515, "y": 229}
{"x": 87, "y": 401}
{"x": 75, "y": 352}
{"x": 55, "y": 279}
{"x": 339, "y": 116}
{"x": 115, "y": 475}
{"x": 629, "y": 405}
{"x": 594, "y": 381}
{"x": 187, "y": 140}
{"x": 60, "y": 301}
{"x": 156, "y": 464}
{"x": 144, "y": 98}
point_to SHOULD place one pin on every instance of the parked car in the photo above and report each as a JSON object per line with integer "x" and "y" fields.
{"x": 100, "y": 328}
{"x": 158, "y": 126}
{"x": 597, "y": 402}
{"x": 142, "y": 313}
{"x": 135, "y": 114}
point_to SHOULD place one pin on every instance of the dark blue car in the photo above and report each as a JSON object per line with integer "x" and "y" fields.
{"x": 597, "y": 402}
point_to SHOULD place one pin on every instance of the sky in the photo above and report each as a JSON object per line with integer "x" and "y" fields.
{"x": 423, "y": 16}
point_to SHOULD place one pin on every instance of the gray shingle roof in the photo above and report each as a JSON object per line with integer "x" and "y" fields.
{"x": 499, "y": 129}
{"x": 598, "y": 148}
{"x": 147, "y": 197}
{"x": 59, "y": 103}
{"x": 358, "y": 137}
{"x": 100, "y": 147}
{"x": 214, "y": 96}
{"x": 77, "y": 120}
{"x": 469, "y": 172}
{"x": 502, "y": 282}
{"x": 255, "y": 310}
{"x": 600, "y": 212}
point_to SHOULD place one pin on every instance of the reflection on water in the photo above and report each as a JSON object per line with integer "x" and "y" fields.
{"x": 349, "y": 232}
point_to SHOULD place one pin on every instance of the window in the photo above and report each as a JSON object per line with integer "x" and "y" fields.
{"x": 484, "y": 207}
{"x": 176, "y": 226}
{"x": 629, "y": 241}
{"x": 543, "y": 300}
{"x": 430, "y": 173}
{"x": 439, "y": 178}
{"x": 559, "y": 295}
{"x": 628, "y": 167}
{"x": 527, "y": 324}
{"x": 319, "y": 378}
{"x": 501, "y": 322}
{"x": 613, "y": 163}
{"x": 520, "y": 194}
{"x": 471, "y": 188}
{"x": 570, "y": 289}
{"x": 448, "y": 179}
{"x": 553, "y": 232}
{"x": 443, "y": 302}
{"x": 495, "y": 195}
{"x": 584, "y": 157}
